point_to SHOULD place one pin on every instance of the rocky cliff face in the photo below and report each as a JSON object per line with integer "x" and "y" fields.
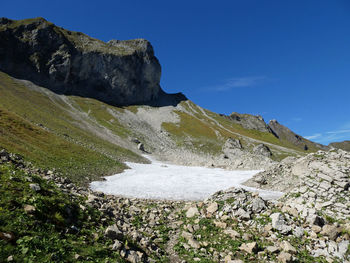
{"x": 248, "y": 121}
{"x": 67, "y": 62}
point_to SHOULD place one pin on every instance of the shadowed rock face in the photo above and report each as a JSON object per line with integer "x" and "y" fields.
{"x": 67, "y": 62}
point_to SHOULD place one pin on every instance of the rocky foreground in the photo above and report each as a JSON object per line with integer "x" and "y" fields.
{"x": 230, "y": 226}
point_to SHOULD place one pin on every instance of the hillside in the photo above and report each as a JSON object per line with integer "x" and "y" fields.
{"x": 345, "y": 145}
{"x": 43, "y": 119}
{"x": 74, "y": 109}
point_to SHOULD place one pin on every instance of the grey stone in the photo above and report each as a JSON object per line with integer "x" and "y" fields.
{"x": 141, "y": 147}
{"x": 35, "y": 187}
{"x": 212, "y": 208}
{"x": 284, "y": 257}
{"x": 113, "y": 232}
{"x": 279, "y": 224}
{"x": 192, "y": 211}
{"x": 331, "y": 231}
{"x": 263, "y": 150}
{"x": 249, "y": 247}
{"x": 287, "y": 247}
{"x": 258, "y": 205}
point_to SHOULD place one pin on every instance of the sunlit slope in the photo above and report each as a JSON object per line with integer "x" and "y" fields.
{"x": 50, "y": 131}
{"x": 208, "y": 131}
{"x": 86, "y": 138}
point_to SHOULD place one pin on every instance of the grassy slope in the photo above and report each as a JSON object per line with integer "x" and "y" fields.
{"x": 200, "y": 127}
{"x": 345, "y": 145}
{"x": 75, "y": 134}
{"x": 45, "y": 235}
{"x": 42, "y": 130}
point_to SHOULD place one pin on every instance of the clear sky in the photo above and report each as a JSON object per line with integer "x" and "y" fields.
{"x": 286, "y": 60}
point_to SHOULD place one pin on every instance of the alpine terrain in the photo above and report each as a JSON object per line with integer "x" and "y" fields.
{"x": 74, "y": 109}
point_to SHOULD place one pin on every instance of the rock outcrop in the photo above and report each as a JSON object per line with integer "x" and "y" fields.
{"x": 319, "y": 181}
{"x": 249, "y": 121}
{"x": 262, "y": 149}
{"x": 67, "y": 62}
{"x": 282, "y": 132}
{"x": 232, "y": 225}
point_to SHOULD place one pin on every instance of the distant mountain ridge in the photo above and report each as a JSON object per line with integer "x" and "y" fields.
{"x": 256, "y": 122}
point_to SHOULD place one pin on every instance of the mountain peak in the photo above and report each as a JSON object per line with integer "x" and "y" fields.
{"x": 119, "y": 72}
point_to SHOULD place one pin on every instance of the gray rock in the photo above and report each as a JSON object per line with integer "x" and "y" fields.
{"x": 279, "y": 224}
{"x": 35, "y": 187}
{"x": 298, "y": 232}
{"x": 287, "y": 247}
{"x": 29, "y": 209}
{"x": 192, "y": 211}
{"x": 258, "y": 205}
{"x": 331, "y": 231}
{"x": 249, "y": 121}
{"x": 241, "y": 213}
{"x": 272, "y": 249}
{"x": 113, "y": 232}
{"x": 212, "y": 208}
{"x": 117, "y": 245}
{"x": 232, "y": 143}
{"x": 263, "y": 150}
{"x": 134, "y": 256}
{"x": 284, "y": 257}
{"x": 316, "y": 220}
{"x": 249, "y": 247}
{"x": 342, "y": 248}
{"x": 141, "y": 147}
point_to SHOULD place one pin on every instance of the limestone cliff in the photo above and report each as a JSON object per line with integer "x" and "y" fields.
{"x": 67, "y": 62}
{"x": 249, "y": 121}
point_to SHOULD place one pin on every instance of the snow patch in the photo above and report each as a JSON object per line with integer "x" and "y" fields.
{"x": 175, "y": 182}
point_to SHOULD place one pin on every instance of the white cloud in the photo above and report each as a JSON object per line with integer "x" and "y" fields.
{"x": 314, "y": 136}
{"x": 244, "y": 82}
{"x": 338, "y": 132}
{"x": 330, "y": 136}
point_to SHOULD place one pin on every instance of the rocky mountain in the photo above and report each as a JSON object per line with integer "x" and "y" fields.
{"x": 345, "y": 145}
{"x": 60, "y": 87}
{"x": 72, "y": 63}
{"x": 256, "y": 122}
{"x": 283, "y": 132}
{"x": 74, "y": 109}
{"x": 249, "y": 121}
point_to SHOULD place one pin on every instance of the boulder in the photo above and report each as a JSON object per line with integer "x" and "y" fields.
{"x": 113, "y": 233}
{"x": 192, "y": 211}
{"x": 249, "y": 247}
{"x": 279, "y": 224}
{"x": 262, "y": 149}
{"x": 331, "y": 231}
{"x": 212, "y": 208}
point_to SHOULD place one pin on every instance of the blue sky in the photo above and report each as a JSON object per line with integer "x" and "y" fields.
{"x": 284, "y": 60}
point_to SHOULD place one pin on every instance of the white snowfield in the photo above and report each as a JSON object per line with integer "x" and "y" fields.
{"x": 175, "y": 182}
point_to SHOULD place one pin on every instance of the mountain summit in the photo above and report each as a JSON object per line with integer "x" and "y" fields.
{"x": 72, "y": 63}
